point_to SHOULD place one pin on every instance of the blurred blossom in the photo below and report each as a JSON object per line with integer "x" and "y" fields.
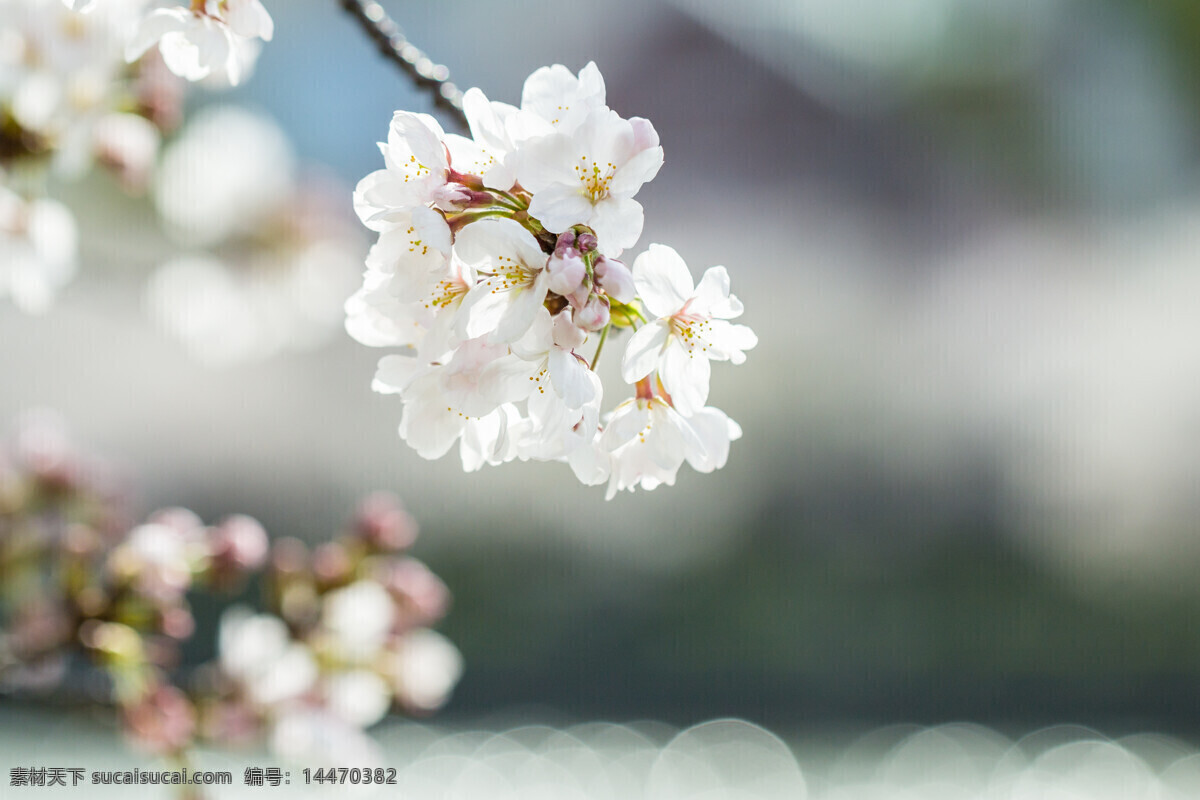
{"x": 63, "y": 74}
{"x": 217, "y": 39}
{"x": 258, "y": 653}
{"x": 358, "y": 619}
{"x": 227, "y": 174}
{"x": 39, "y": 240}
{"x": 312, "y": 734}
{"x": 280, "y": 256}
{"x": 358, "y": 696}
{"x": 424, "y": 667}
{"x": 162, "y": 722}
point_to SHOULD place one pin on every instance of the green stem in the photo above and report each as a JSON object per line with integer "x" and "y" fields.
{"x": 600, "y": 346}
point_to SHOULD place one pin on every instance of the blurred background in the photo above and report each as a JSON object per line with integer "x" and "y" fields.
{"x": 966, "y": 233}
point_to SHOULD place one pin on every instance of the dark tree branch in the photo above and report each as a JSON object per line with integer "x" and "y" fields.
{"x": 395, "y": 47}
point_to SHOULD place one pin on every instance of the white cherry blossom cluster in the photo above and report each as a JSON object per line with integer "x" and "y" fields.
{"x": 497, "y": 266}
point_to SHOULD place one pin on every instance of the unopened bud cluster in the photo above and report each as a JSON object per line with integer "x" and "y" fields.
{"x": 343, "y": 639}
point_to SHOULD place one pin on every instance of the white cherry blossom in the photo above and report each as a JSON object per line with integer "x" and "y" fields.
{"x": 514, "y": 280}
{"x": 648, "y": 441}
{"x": 218, "y": 38}
{"x": 589, "y": 177}
{"x": 691, "y": 328}
{"x": 554, "y": 100}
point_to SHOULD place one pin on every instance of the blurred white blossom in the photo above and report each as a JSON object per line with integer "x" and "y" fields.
{"x": 270, "y": 258}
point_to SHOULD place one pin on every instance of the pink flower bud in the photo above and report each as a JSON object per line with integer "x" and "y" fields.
{"x": 384, "y": 524}
{"x": 594, "y": 315}
{"x": 239, "y": 544}
{"x": 565, "y": 242}
{"x": 565, "y": 332}
{"x": 586, "y": 242}
{"x": 421, "y": 597}
{"x": 331, "y": 564}
{"x": 162, "y": 722}
{"x": 615, "y": 279}
{"x": 566, "y": 271}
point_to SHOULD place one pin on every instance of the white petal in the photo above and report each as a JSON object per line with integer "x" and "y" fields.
{"x": 546, "y": 161}
{"x": 521, "y": 311}
{"x": 248, "y": 18}
{"x": 643, "y": 351}
{"x": 151, "y": 30}
{"x": 662, "y": 280}
{"x": 569, "y": 376}
{"x": 685, "y": 376}
{"x": 713, "y": 297}
{"x": 617, "y": 223}
{"x": 716, "y": 431}
{"x": 422, "y": 136}
{"x": 638, "y": 170}
{"x": 558, "y": 206}
{"x": 396, "y": 372}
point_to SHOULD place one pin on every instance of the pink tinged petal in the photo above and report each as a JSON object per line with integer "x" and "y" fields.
{"x": 565, "y": 333}
{"x": 248, "y": 18}
{"x": 617, "y": 223}
{"x": 594, "y": 315}
{"x": 713, "y": 297}
{"x": 569, "y": 376}
{"x": 644, "y": 135}
{"x": 566, "y": 272}
{"x": 643, "y": 351}
{"x": 685, "y": 376}
{"x": 559, "y": 206}
{"x": 640, "y": 169}
{"x": 716, "y": 431}
{"x": 615, "y": 279}
{"x": 395, "y": 373}
{"x": 157, "y": 24}
{"x": 662, "y": 279}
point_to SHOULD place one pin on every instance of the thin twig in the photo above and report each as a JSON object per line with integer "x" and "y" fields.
{"x": 395, "y": 47}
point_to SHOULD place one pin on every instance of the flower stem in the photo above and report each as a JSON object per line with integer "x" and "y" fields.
{"x": 600, "y": 346}
{"x": 396, "y": 48}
